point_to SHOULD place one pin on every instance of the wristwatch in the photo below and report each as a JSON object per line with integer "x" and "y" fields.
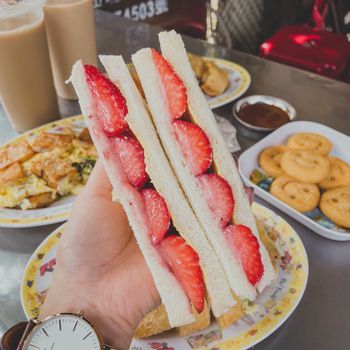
{"x": 59, "y": 332}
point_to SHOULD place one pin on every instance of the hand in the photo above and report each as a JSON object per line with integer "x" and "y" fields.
{"x": 100, "y": 269}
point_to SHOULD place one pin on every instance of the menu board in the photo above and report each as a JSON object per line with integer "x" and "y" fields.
{"x": 134, "y": 9}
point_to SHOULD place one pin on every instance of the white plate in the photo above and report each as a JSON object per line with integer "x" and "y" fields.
{"x": 248, "y": 162}
{"x": 239, "y": 82}
{"x": 271, "y": 310}
{"x": 56, "y": 212}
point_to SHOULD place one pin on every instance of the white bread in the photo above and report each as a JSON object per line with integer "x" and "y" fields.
{"x": 148, "y": 75}
{"x": 165, "y": 182}
{"x": 172, "y": 295}
{"x": 174, "y": 51}
{"x": 155, "y": 95}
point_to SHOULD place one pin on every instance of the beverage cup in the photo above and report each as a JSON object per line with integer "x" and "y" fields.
{"x": 71, "y": 35}
{"x": 27, "y": 91}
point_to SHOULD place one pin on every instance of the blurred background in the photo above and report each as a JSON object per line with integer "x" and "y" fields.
{"x": 312, "y": 35}
{"x": 241, "y": 24}
{"x": 309, "y": 34}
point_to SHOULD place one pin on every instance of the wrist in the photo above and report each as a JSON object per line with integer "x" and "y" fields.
{"x": 68, "y": 297}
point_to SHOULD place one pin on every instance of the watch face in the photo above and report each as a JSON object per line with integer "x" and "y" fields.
{"x": 63, "y": 332}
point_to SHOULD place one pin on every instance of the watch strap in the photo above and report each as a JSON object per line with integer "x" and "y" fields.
{"x": 14, "y": 338}
{"x": 108, "y": 347}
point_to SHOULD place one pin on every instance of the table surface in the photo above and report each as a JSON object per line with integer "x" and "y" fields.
{"x": 321, "y": 321}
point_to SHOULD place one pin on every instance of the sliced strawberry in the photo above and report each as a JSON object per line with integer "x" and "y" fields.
{"x": 242, "y": 241}
{"x": 158, "y": 214}
{"x": 132, "y": 159}
{"x": 173, "y": 85}
{"x": 109, "y": 102}
{"x": 184, "y": 262}
{"x": 219, "y": 197}
{"x": 195, "y": 146}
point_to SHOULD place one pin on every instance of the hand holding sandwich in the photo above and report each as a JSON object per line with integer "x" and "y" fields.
{"x": 100, "y": 269}
{"x": 171, "y": 171}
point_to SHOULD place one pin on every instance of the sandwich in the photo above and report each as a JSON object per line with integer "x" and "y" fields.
{"x": 203, "y": 165}
{"x": 186, "y": 270}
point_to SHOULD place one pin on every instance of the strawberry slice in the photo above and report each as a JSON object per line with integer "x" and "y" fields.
{"x": 109, "y": 102}
{"x": 184, "y": 262}
{"x": 158, "y": 214}
{"x": 174, "y": 88}
{"x": 242, "y": 241}
{"x": 132, "y": 159}
{"x": 219, "y": 197}
{"x": 195, "y": 146}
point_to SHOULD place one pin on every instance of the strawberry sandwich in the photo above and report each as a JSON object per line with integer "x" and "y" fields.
{"x": 186, "y": 270}
{"x": 203, "y": 165}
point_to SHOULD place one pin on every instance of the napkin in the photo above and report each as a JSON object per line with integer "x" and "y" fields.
{"x": 229, "y": 133}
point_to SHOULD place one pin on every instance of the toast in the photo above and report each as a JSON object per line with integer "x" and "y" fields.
{"x": 176, "y": 302}
{"x": 179, "y": 109}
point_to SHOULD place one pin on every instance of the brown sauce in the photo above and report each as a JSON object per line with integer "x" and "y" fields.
{"x": 263, "y": 115}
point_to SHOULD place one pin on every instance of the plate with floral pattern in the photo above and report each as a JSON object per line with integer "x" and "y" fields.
{"x": 270, "y": 310}
{"x": 59, "y": 210}
{"x": 239, "y": 82}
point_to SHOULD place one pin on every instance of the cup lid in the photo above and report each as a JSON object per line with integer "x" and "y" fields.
{"x": 17, "y": 8}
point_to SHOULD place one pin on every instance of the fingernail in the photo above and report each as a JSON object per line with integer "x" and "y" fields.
{"x": 250, "y": 194}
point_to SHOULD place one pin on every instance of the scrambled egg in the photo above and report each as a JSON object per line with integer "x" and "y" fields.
{"x": 52, "y": 166}
{"x": 13, "y": 195}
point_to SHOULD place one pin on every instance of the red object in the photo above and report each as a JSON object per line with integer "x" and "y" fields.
{"x": 319, "y": 13}
{"x": 110, "y": 103}
{"x": 194, "y": 145}
{"x": 219, "y": 197}
{"x": 184, "y": 262}
{"x": 158, "y": 214}
{"x": 132, "y": 159}
{"x": 174, "y": 88}
{"x": 318, "y": 51}
{"x": 47, "y": 267}
{"x": 241, "y": 240}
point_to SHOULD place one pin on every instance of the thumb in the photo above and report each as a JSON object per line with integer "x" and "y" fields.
{"x": 98, "y": 181}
